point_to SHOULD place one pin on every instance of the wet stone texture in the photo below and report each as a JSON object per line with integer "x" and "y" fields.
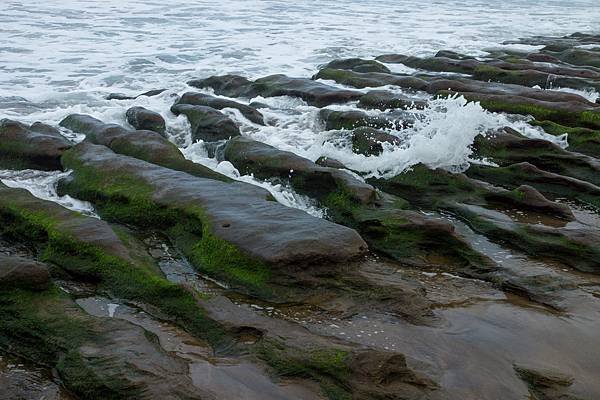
{"x": 396, "y": 227}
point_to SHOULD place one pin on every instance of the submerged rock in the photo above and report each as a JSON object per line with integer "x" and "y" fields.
{"x": 201, "y": 99}
{"x": 38, "y": 146}
{"x": 207, "y": 123}
{"x": 144, "y": 119}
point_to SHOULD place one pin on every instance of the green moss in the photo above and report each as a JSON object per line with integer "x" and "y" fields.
{"x": 47, "y": 328}
{"x": 121, "y": 198}
{"x": 428, "y": 187}
{"x": 513, "y": 176}
{"x": 523, "y": 77}
{"x": 581, "y": 140}
{"x": 224, "y": 261}
{"x": 133, "y": 281}
{"x": 327, "y": 366}
{"x": 587, "y": 119}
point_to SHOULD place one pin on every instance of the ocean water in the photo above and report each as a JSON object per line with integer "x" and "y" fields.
{"x": 65, "y": 56}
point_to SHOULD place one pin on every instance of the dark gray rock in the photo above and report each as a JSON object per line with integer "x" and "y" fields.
{"x": 239, "y": 214}
{"x": 207, "y": 123}
{"x": 145, "y": 145}
{"x": 264, "y": 161}
{"x": 143, "y": 119}
{"x": 201, "y": 99}
{"x": 314, "y": 93}
{"x": 38, "y": 146}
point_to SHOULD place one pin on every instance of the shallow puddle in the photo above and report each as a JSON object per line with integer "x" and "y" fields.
{"x": 21, "y": 380}
{"x": 226, "y": 378}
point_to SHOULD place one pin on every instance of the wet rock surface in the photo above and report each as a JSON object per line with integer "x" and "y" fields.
{"x": 37, "y": 146}
{"x": 475, "y": 278}
{"x": 144, "y": 119}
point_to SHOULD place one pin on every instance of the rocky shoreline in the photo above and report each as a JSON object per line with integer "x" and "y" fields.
{"x": 473, "y": 283}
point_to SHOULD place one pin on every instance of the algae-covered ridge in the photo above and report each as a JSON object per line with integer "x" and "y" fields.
{"x": 123, "y": 198}
{"x": 135, "y": 280}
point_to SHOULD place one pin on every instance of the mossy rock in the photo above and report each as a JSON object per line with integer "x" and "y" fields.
{"x": 548, "y": 183}
{"x": 231, "y": 232}
{"x": 38, "y": 146}
{"x": 95, "y": 358}
{"x": 581, "y": 140}
{"x": 358, "y": 65}
{"x": 201, "y": 99}
{"x": 145, "y": 145}
{"x": 89, "y": 250}
{"x": 362, "y": 80}
{"x": 314, "y": 93}
{"x": 509, "y": 147}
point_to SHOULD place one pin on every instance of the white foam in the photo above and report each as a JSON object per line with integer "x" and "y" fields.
{"x": 590, "y": 94}
{"x": 288, "y": 197}
{"x": 42, "y": 185}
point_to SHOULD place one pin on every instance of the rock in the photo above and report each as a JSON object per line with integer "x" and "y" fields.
{"x": 314, "y": 93}
{"x": 145, "y": 145}
{"x": 358, "y": 65}
{"x": 143, "y": 119}
{"x": 545, "y": 384}
{"x": 88, "y": 249}
{"x": 330, "y": 163}
{"x": 384, "y": 100}
{"x": 207, "y": 123}
{"x": 581, "y": 140}
{"x": 362, "y": 80}
{"x": 338, "y": 120}
{"x": 368, "y": 141}
{"x": 453, "y": 55}
{"x": 436, "y": 64}
{"x": 531, "y": 77}
{"x": 401, "y": 234}
{"x": 120, "y": 96}
{"x": 544, "y": 181}
{"x": 560, "y": 107}
{"x": 17, "y": 272}
{"x": 264, "y": 162}
{"x": 231, "y": 231}
{"x": 201, "y": 99}
{"x": 93, "y": 357}
{"x": 527, "y": 198}
{"x": 38, "y": 146}
{"x": 509, "y": 147}
{"x": 469, "y": 86}
{"x": 386, "y": 374}
{"x": 579, "y": 57}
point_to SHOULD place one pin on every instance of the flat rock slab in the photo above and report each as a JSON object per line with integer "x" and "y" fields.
{"x": 239, "y": 213}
